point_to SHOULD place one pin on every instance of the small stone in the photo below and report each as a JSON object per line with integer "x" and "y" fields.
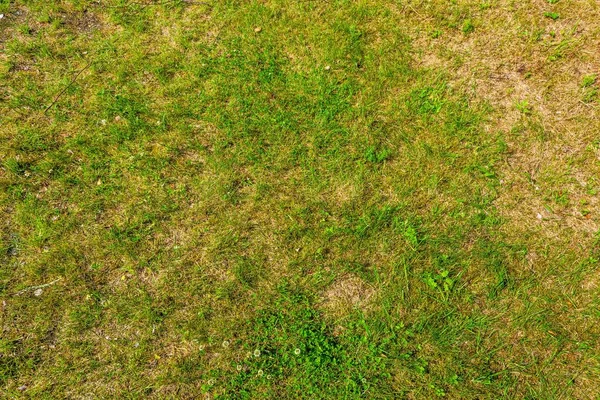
{"x": 117, "y": 118}
{"x": 22, "y": 387}
{"x": 1, "y": 16}
{"x": 539, "y": 216}
{"x": 38, "y": 292}
{"x": 328, "y": 67}
{"x": 257, "y": 29}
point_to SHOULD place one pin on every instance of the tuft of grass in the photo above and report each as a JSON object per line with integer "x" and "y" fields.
{"x": 523, "y": 106}
{"x": 590, "y": 89}
{"x": 552, "y": 15}
{"x": 468, "y": 26}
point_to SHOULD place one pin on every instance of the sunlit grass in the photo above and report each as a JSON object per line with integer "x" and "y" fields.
{"x": 284, "y": 200}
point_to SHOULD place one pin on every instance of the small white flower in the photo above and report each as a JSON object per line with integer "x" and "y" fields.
{"x": 225, "y": 343}
{"x": 103, "y": 122}
{"x": 1, "y": 16}
{"x": 328, "y": 67}
{"x": 297, "y": 352}
{"x": 257, "y": 353}
{"x": 260, "y": 372}
{"x": 268, "y": 376}
{"x": 38, "y": 292}
{"x": 211, "y": 382}
{"x": 239, "y": 367}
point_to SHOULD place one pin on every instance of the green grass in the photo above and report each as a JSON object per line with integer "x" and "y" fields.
{"x": 271, "y": 199}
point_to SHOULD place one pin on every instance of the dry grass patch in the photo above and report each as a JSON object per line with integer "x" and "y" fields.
{"x": 347, "y": 294}
{"x": 530, "y": 69}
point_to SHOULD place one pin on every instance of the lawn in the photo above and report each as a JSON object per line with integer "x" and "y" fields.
{"x": 268, "y": 199}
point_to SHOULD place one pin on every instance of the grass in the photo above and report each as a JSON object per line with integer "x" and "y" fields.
{"x": 242, "y": 199}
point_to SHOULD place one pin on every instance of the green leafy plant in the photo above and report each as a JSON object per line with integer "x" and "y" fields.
{"x": 552, "y": 15}
{"x": 439, "y": 281}
{"x": 468, "y": 26}
{"x": 523, "y": 106}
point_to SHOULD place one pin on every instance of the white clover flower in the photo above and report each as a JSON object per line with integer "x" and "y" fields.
{"x": 211, "y": 382}
{"x": 297, "y": 352}
{"x": 257, "y": 353}
{"x": 260, "y": 372}
{"x": 225, "y": 343}
{"x": 239, "y": 367}
{"x": 268, "y": 376}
